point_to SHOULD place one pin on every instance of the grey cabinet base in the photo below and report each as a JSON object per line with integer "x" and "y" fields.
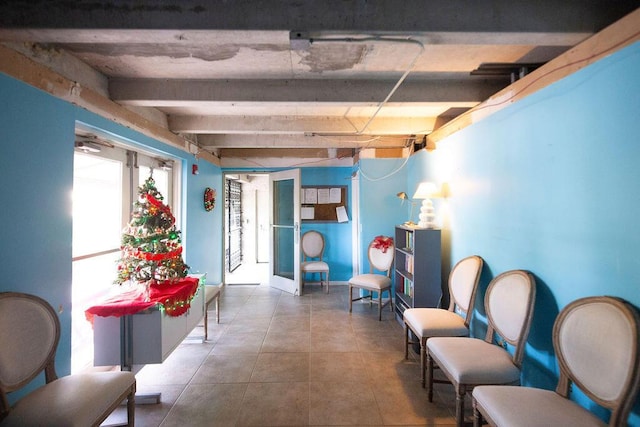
{"x": 154, "y": 335}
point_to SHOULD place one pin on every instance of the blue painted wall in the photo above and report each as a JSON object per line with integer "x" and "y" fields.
{"x": 36, "y": 168}
{"x": 549, "y": 185}
{"x": 380, "y": 209}
{"x": 338, "y": 246}
{"x": 203, "y": 230}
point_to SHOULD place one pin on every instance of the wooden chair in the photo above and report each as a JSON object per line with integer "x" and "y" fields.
{"x": 470, "y": 362}
{"x": 312, "y": 251}
{"x": 425, "y": 323}
{"x": 596, "y": 342}
{"x": 379, "y": 260}
{"x": 29, "y": 333}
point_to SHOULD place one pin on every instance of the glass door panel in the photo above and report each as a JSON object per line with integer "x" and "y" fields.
{"x": 98, "y": 195}
{"x": 285, "y": 231}
{"x": 162, "y": 178}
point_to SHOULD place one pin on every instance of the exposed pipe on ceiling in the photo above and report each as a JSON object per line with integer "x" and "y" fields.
{"x": 302, "y": 41}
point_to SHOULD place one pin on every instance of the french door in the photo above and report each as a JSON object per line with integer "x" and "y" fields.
{"x": 284, "y": 259}
{"x": 233, "y": 224}
{"x": 105, "y": 184}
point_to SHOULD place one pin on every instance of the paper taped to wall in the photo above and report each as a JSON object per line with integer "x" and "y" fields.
{"x": 341, "y": 213}
{"x": 307, "y": 212}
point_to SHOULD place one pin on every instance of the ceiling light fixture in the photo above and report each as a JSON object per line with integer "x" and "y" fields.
{"x": 165, "y": 165}
{"x": 87, "y": 147}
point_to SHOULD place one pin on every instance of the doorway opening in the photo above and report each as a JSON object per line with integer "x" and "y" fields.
{"x": 246, "y": 219}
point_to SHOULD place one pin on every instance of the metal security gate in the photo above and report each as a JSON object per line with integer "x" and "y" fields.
{"x": 233, "y": 224}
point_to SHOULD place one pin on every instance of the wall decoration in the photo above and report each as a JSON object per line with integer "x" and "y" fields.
{"x": 209, "y": 199}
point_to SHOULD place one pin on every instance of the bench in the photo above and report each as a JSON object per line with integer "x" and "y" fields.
{"x": 211, "y": 294}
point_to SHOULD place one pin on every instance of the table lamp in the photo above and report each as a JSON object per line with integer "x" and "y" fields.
{"x": 425, "y": 191}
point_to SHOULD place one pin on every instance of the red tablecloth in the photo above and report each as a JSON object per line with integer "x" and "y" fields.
{"x": 175, "y": 298}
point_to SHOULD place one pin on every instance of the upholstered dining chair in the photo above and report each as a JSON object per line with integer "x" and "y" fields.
{"x": 381, "y": 260}
{"x": 29, "y": 333}
{"x": 596, "y": 342}
{"x": 468, "y": 362}
{"x": 312, "y": 251}
{"x": 425, "y": 322}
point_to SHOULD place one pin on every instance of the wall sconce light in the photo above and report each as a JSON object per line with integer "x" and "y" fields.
{"x": 403, "y": 196}
{"x": 425, "y": 191}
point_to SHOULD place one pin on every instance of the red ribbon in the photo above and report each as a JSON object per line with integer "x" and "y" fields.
{"x": 158, "y": 204}
{"x": 383, "y": 243}
{"x": 150, "y": 256}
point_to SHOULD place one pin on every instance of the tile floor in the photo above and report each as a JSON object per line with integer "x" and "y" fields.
{"x": 280, "y": 360}
{"x": 248, "y": 273}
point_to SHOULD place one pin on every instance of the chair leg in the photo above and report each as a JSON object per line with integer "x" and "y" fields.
{"x": 423, "y": 353}
{"x": 218, "y": 309}
{"x": 477, "y": 416}
{"x": 131, "y": 408}
{"x": 380, "y": 306}
{"x": 206, "y": 322}
{"x": 350, "y": 298}
{"x": 406, "y": 341}
{"x": 429, "y": 377}
{"x": 327, "y": 277}
{"x": 460, "y": 407}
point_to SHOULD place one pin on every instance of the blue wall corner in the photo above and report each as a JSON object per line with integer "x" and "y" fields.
{"x": 548, "y": 185}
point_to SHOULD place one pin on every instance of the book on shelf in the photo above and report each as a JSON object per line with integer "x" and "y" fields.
{"x": 408, "y": 264}
{"x": 407, "y": 288}
{"x": 409, "y": 241}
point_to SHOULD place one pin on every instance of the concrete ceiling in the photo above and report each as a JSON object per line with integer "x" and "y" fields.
{"x": 295, "y": 78}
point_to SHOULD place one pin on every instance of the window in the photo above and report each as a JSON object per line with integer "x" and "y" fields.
{"x": 105, "y": 184}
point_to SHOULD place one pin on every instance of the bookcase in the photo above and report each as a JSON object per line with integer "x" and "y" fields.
{"x": 417, "y": 268}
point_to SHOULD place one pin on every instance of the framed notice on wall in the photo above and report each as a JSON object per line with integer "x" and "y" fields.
{"x": 323, "y": 203}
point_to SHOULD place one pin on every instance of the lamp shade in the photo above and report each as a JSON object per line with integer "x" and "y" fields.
{"x": 425, "y": 190}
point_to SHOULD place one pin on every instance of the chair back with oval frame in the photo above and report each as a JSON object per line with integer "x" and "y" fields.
{"x": 381, "y": 260}
{"x": 596, "y": 341}
{"x": 29, "y": 333}
{"x": 609, "y": 372}
{"x": 312, "y": 246}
